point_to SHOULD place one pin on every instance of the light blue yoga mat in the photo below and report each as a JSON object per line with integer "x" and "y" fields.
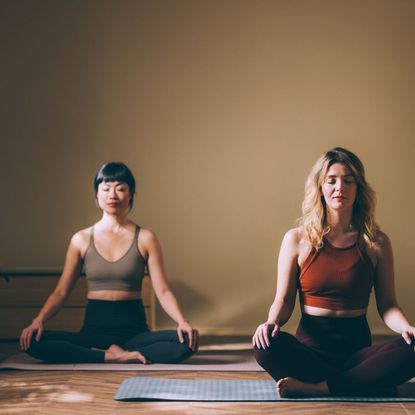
{"x": 161, "y": 389}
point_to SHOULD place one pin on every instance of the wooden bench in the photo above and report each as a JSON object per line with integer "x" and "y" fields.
{"x": 22, "y": 296}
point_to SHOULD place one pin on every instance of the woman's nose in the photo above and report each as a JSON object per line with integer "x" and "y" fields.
{"x": 339, "y": 184}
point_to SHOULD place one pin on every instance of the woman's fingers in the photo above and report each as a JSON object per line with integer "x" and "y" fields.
{"x": 265, "y": 337}
{"x": 191, "y": 338}
{"x": 409, "y": 336}
{"x": 260, "y": 339}
{"x": 406, "y": 337}
{"x": 142, "y": 359}
{"x": 193, "y": 335}
{"x": 275, "y": 331}
{"x": 25, "y": 338}
{"x": 180, "y": 335}
{"x": 257, "y": 338}
{"x": 21, "y": 340}
{"x": 39, "y": 333}
{"x": 28, "y": 333}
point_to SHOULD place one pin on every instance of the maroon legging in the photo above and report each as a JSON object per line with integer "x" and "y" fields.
{"x": 339, "y": 351}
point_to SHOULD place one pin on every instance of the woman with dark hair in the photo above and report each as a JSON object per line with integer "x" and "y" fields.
{"x": 334, "y": 258}
{"x": 114, "y": 253}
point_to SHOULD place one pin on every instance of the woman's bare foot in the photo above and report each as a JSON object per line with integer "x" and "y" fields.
{"x": 116, "y": 354}
{"x": 294, "y": 388}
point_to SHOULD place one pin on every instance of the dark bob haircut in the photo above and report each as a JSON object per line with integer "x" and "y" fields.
{"x": 116, "y": 172}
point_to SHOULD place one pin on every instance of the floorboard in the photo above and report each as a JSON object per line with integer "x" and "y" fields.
{"x": 91, "y": 393}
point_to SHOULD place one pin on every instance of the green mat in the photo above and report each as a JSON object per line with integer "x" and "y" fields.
{"x": 161, "y": 389}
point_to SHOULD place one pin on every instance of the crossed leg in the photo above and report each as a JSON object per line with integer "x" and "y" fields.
{"x": 301, "y": 371}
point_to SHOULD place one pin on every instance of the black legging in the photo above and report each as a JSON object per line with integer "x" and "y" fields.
{"x": 107, "y": 323}
{"x": 339, "y": 351}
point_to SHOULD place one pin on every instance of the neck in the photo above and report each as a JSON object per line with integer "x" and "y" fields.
{"x": 339, "y": 222}
{"x": 113, "y": 222}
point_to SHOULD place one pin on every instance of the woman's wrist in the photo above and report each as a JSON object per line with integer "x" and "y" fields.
{"x": 38, "y": 320}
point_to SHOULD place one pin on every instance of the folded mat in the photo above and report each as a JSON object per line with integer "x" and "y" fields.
{"x": 162, "y": 389}
{"x": 202, "y": 361}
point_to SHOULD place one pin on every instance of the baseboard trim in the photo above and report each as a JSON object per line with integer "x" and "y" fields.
{"x": 230, "y": 331}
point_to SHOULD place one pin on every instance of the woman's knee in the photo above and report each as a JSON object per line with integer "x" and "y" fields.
{"x": 166, "y": 348}
{"x": 181, "y": 351}
{"x": 278, "y": 345}
{"x": 405, "y": 351}
{"x": 44, "y": 350}
{"x": 36, "y": 349}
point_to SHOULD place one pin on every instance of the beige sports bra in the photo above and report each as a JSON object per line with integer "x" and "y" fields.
{"x": 125, "y": 274}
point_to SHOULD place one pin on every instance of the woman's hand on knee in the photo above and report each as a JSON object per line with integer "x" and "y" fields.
{"x": 185, "y": 328}
{"x": 261, "y": 337}
{"x": 28, "y": 332}
{"x": 408, "y": 333}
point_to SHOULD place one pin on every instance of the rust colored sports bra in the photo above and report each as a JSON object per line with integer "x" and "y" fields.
{"x": 337, "y": 278}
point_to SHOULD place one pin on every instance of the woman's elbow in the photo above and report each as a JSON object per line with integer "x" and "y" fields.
{"x": 385, "y": 308}
{"x": 286, "y": 303}
{"x": 59, "y": 296}
{"x": 163, "y": 293}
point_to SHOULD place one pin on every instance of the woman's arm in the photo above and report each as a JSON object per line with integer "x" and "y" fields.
{"x": 161, "y": 287}
{"x": 70, "y": 274}
{"x": 386, "y": 302}
{"x": 283, "y": 305}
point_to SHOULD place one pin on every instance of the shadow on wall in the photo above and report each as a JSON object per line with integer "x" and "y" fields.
{"x": 242, "y": 318}
{"x": 191, "y": 302}
{"x": 237, "y": 318}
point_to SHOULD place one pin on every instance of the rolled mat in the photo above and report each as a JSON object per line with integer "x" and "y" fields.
{"x": 162, "y": 389}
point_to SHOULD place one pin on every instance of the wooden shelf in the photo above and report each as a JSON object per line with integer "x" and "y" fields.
{"x": 22, "y": 296}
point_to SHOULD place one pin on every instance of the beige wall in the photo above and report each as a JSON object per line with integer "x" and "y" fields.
{"x": 220, "y": 108}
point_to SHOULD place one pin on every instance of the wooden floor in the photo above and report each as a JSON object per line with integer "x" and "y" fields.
{"x": 88, "y": 393}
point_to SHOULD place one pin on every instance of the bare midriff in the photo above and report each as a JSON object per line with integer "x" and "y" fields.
{"x": 325, "y": 312}
{"x": 114, "y": 295}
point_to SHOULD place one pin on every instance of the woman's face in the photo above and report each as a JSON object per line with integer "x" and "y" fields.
{"x": 114, "y": 197}
{"x": 339, "y": 187}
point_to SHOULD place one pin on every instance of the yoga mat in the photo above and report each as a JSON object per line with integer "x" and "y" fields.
{"x": 161, "y": 389}
{"x": 202, "y": 361}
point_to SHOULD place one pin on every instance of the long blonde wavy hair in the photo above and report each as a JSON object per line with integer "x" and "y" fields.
{"x": 313, "y": 219}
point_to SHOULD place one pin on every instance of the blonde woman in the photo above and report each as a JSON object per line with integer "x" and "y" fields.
{"x": 334, "y": 258}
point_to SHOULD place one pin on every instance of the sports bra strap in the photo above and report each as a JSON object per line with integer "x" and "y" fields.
{"x": 92, "y": 239}
{"x": 361, "y": 247}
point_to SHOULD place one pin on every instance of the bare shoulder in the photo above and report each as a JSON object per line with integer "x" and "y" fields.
{"x": 380, "y": 249}
{"x": 382, "y": 239}
{"x": 300, "y": 245}
{"x": 294, "y": 237}
{"x": 80, "y": 240}
{"x": 293, "y": 241}
{"x": 382, "y": 244}
{"x": 146, "y": 236}
{"x": 148, "y": 243}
